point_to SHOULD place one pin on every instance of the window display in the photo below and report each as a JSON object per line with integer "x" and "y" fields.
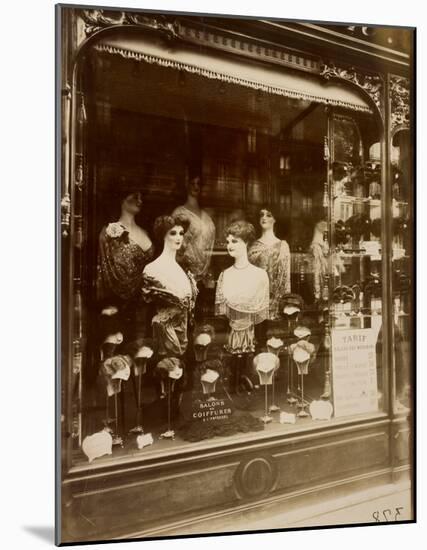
{"x": 236, "y": 269}
{"x": 238, "y": 281}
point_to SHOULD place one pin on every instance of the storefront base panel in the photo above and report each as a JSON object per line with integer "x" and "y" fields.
{"x": 146, "y": 501}
{"x": 352, "y": 501}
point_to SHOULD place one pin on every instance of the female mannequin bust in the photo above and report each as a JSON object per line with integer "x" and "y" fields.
{"x": 273, "y": 255}
{"x": 242, "y": 292}
{"x": 124, "y": 250}
{"x": 200, "y": 236}
{"x": 319, "y": 249}
{"x": 172, "y": 289}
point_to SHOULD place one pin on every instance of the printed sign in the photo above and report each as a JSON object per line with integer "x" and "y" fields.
{"x": 208, "y": 411}
{"x": 354, "y": 371}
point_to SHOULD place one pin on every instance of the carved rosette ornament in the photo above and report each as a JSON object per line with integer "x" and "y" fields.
{"x": 399, "y": 102}
{"x": 372, "y": 84}
{"x": 95, "y": 20}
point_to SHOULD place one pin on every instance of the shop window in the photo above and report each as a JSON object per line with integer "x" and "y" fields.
{"x": 277, "y": 329}
{"x": 402, "y": 261}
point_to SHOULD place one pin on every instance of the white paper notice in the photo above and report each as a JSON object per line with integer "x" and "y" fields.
{"x": 354, "y": 372}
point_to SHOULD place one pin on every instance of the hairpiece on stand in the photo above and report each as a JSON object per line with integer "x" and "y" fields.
{"x": 302, "y": 332}
{"x": 359, "y": 225}
{"x": 109, "y": 322}
{"x": 140, "y": 359}
{"x": 291, "y": 304}
{"x": 343, "y": 294}
{"x": 170, "y": 367}
{"x": 400, "y": 225}
{"x": 301, "y": 352}
{"x": 109, "y": 345}
{"x": 342, "y": 232}
{"x": 116, "y": 368}
{"x": 274, "y": 345}
{"x": 203, "y": 337}
{"x": 266, "y": 365}
{"x": 373, "y": 285}
{"x": 208, "y": 380}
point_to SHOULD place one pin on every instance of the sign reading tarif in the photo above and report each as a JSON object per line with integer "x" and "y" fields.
{"x": 354, "y": 371}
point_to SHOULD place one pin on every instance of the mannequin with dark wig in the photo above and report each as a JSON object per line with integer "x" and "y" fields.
{"x": 172, "y": 289}
{"x": 273, "y": 255}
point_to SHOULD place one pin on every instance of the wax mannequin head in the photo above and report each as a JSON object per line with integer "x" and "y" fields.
{"x": 194, "y": 187}
{"x": 170, "y": 230}
{"x": 319, "y": 230}
{"x": 131, "y": 203}
{"x": 266, "y": 219}
{"x": 174, "y": 237}
{"x": 238, "y": 235}
{"x": 236, "y": 246}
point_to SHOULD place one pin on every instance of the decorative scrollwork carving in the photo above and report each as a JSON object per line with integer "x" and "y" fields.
{"x": 99, "y": 19}
{"x": 65, "y": 214}
{"x": 372, "y": 84}
{"x": 399, "y": 102}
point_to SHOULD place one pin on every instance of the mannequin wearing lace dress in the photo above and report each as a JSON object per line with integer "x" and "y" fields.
{"x": 273, "y": 255}
{"x": 200, "y": 235}
{"x": 242, "y": 293}
{"x": 319, "y": 249}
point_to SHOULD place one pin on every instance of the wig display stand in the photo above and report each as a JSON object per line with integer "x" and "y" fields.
{"x": 273, "y": 407}
{"x": 241, "y": 377}
{"x": 302, "y": 404}
{"x": 266, "y": 418}
{"x": 138, "y": 429}
{"x": 117, "y": 440}
{"x": 238, "y": 378}
{"x": 169, "y": 433}
{"x": 290, "y": 396}
{"x": 208, "y": 381}
{"x": 266, "y": 365}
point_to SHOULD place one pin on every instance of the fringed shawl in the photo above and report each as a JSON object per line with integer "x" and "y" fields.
{"x": 244, "y": 300}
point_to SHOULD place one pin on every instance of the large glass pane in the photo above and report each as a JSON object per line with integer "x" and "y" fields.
{"x": 355, "y": 265}
{"x": 284, "y": 296}
{"x": 402, "y": 259}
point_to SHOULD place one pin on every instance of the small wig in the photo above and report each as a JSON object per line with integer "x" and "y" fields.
{"x": 163, "y": 224}
{"x": 242, "y": 230}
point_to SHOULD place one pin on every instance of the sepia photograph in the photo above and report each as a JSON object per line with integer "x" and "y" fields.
{"x": 236, "y": 274}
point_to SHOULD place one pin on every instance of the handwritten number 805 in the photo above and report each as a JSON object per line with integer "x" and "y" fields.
{"x": 387, "y": 514}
